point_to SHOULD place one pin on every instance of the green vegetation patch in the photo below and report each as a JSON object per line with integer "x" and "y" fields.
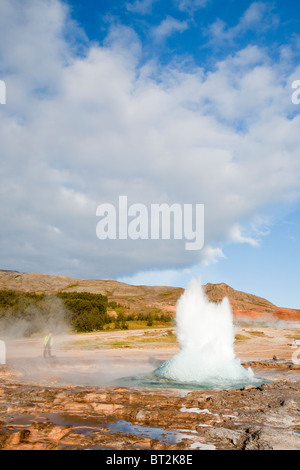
{"x": 27, "y": 313}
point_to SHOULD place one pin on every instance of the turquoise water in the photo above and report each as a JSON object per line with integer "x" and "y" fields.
{"x": 153, "y": 381}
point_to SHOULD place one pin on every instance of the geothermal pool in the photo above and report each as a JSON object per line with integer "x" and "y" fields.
{"x": 152, "y": 381}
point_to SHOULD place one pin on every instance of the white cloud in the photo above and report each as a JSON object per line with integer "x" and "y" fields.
{"x": 168, "y": 27}
{"x": 190, "y": 5}
{"x": 154, "y": 277}
{"x": 212, "y": 255}
{"x": 236, "y": 236}
{"x": 142, "y": 7}
{"x": 78, "y": 131}
{"x": 257, "y": 17}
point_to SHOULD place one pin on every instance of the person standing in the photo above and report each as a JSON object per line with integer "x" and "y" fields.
{"x": 48, "y": 343}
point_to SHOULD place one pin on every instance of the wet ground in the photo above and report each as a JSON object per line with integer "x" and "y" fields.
{"x": 35, "y": 416}
{"x": 91, "y": 399}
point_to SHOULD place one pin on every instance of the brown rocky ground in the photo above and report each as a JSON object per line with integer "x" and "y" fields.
{"x": 75, "y": 400}
{"x": 40, "y": 417}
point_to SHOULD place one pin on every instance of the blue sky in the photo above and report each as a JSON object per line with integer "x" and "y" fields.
{"x": 185, "y": 101}
{"x": 199, "y": 30}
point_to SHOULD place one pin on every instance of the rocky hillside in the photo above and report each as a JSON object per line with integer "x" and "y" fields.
{"x": 163, "y": 297}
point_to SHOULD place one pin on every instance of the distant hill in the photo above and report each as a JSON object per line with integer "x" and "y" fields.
{"x": 134, "y": 297}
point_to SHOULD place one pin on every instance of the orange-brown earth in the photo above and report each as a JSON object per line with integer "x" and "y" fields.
{"x": 78, "y": 399}
{"x": 163, "y": 297}
{"x": 72, "y": 401}
{"x": 39, "y": 416}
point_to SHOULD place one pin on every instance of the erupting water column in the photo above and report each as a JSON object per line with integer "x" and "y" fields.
{"x": 206, "y": 338}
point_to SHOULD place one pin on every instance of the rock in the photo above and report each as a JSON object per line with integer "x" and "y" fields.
{"x": 291, "y": 405}
{"x": 106, "y": 407}
{"x": 271, "y": 439}
{"x": 224, "y": 437}
{"x": 248, "y": 387}
{"x": 65, "y": 417}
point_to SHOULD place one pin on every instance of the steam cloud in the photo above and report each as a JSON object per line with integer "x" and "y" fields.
{"x": 49, "y": 315}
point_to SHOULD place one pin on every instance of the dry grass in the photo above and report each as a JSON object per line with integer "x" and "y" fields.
{"x": 240, "y": 337}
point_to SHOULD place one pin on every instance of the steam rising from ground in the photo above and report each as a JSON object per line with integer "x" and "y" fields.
{"x": 49, "y": 315}
{"x": 206, "y": 337}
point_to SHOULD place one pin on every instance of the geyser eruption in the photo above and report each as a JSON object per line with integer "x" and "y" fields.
{"x": 206, "y": 338}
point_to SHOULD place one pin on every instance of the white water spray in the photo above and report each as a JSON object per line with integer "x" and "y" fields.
{"x": 206, "y": 339}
